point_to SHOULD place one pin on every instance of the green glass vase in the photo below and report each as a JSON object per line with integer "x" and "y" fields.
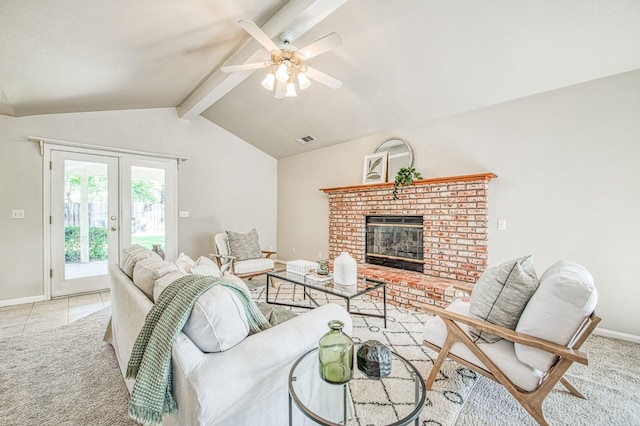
{"x": 336, "y": 355}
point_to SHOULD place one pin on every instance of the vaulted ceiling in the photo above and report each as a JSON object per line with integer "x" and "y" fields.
{"x": 402, "y": 62}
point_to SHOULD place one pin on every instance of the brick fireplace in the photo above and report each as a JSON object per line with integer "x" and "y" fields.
{"x": 454, "y": 212}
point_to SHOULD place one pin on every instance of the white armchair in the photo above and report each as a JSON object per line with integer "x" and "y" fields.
{"x": 530, "y": 360}
{"x": 259, "y": 263}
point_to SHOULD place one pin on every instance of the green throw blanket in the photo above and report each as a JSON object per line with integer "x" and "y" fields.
{"x": 150, "y": 362}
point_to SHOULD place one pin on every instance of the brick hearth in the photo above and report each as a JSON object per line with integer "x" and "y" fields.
{"x": 454, "y": 233}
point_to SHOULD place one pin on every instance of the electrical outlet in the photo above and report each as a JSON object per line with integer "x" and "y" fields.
{"x": 293, "y": 250}
{"x": 17, "y": 214}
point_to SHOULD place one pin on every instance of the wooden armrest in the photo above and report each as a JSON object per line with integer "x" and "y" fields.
{"x": 512, "y": 336}
{"x": 268, "y": 253}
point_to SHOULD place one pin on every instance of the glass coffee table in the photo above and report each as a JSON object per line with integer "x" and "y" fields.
{"x": 398, "y": 399}
{"x": 363, "y": 286}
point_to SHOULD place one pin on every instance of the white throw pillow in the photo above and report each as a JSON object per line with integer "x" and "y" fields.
{"x": 147, "y": 271}
{"x": 206, "y": 266}
{"x": 132, "y": 254}
{"x": 184, "y": 263}
{"x": 218, "y": 321}
{"x": 565, "y": 298}
{"x": 163, "y": 282}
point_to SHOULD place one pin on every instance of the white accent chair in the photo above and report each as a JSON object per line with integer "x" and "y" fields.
{"x": 529, "y": 361}
{"x": 241, "y": 268}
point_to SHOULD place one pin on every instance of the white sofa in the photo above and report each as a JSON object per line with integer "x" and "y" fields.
{"x": 244, "y": 385}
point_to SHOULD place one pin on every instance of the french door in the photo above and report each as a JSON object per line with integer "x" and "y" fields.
{"x": 100, "y": 203}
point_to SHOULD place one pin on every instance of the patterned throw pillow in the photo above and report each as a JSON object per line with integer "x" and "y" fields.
{"x": 244, "y": 246}
{"x": 501, "y": 294}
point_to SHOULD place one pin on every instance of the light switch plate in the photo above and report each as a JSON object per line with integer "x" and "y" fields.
{"x": 17, "y": 214}
{"x": 184, "y": 213}
{"x": 502, "y": 224}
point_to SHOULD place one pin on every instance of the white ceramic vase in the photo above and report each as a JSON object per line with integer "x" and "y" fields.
{"x": 345, "y": 271}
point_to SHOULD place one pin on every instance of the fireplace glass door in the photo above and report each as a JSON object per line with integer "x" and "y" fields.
{"x": 395, "y": 241}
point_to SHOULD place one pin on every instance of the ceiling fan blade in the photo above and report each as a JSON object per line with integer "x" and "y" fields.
{"x": 281, "y": 89}
{"x": 323, "y": 78}
{"x": 243, "y": 67}
{"x": 326, "y": 43}
{"x": 257, "y": 33}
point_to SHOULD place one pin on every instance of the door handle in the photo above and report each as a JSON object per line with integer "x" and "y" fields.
{"x": 113, "y": 228}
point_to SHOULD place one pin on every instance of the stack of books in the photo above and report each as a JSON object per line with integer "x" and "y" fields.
{"x": 314, "y": 276}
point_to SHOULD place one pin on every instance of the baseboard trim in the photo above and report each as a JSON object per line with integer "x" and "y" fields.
{"x": 617, "y": 335}
{"x": 21, "y": 301}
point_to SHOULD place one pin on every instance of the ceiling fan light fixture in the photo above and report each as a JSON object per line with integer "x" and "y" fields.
{"x": 268, "y": 81}
{"x": 282, "y": 73}
{"x": 303, "y": 81}
{"x": 291, "y": 90}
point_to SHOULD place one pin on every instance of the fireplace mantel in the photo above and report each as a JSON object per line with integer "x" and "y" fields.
{"x": 431, "y": 181}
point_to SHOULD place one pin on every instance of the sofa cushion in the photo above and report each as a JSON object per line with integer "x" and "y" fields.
{"x": 206, "y": 266}
{"x": 147, "y": 271}
{"x": 163, "y": 282}
{"x": 244, "y": 245}
{"x": 500, "y": 295}
{"x": 184, "y": 263}
{"x": 501, "y": 353}
{"x": 130, "y": 255}
{"x": 565, "y": 298}
{"x": 218, "y": 321}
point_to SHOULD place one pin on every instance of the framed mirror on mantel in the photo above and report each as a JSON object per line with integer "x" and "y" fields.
{"x": 400, "y": 155}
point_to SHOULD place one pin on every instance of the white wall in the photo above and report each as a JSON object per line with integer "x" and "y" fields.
{"x": 226, "y": 184}
{"x": 568, "y": 183}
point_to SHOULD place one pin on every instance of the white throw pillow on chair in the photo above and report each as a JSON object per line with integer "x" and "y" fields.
{"x": 565, "y": 298}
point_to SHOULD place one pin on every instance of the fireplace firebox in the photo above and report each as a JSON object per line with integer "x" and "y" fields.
{"x": 395, "y": 241}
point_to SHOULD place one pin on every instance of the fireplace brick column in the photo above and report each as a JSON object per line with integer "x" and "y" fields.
{"x": 455, "y": 221}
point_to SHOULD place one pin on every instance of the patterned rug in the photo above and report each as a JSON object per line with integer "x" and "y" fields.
{"x": 403, "y": 335}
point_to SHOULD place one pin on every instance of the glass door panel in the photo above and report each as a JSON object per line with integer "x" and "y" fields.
{"x": 148, "y": 204}
{"x": 147, "y": 207}
{"x": 84, "y": 220}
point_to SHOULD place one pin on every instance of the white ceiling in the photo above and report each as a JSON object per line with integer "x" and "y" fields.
{"x": 403, "y": 62}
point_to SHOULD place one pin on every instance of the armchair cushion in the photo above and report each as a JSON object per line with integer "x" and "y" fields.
{"x": 565, "y": 298}
{"x": 244, "y": 246}
{"x": 501, "y": 353}
{"x": 253, "y": 265}
{"x": 501, "y": 294}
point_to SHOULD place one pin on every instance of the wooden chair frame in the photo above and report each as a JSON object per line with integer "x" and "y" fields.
{"x": 230, "y": 264}
{"x": 530, "y": 400}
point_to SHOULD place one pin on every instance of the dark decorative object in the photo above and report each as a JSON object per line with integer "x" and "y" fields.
{"x": 157, "y": 248}
{"x": 336, "y": 355}
{"x": 374, "y": 359}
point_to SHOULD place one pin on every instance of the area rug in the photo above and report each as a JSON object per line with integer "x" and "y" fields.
{"x": 62, "y": 376}
{"x": 403, "y": 335}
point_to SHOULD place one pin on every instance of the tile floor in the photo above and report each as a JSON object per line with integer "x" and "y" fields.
{"x": 53, "y": 313}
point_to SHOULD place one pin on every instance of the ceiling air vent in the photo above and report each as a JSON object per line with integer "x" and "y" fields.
{"x": 305, "y": 139}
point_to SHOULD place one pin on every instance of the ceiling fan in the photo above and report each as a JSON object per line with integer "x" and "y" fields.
{"x": 287, "y": 62}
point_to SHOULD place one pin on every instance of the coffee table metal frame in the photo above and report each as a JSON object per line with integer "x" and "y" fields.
{"x": 420, "y": 396}
{"x": 322, "y": 287}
